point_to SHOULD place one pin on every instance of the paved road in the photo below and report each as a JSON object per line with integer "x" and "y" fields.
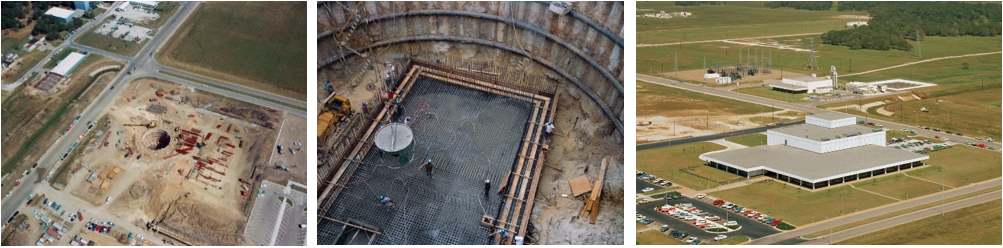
{"x": 749, "y": 228}
{"x": 922, "y": 61}
{"x": 903, "y": 219}
{"x": 38, "y": 67}
{"x": 803, "y": 107}
{"x": 705, "y": 41}
{"x": 708, "y": 137}
{"x": 822, "y": 226}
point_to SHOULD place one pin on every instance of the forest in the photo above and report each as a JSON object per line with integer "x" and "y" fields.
{"x": 16, "y": 16}
{"x": 894, "y": 22}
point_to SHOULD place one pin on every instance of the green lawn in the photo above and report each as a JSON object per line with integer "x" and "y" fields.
{"x": 59, "y": 57}
{"x": 750, "y": 140}
{"x": 898, "y": 186}
{"x": 691, "y": 56}
{"x": 947, "y": 74}
{"x": 654, "y": 237}
{"x": 768, "y": 92}
{"x": 797, "y": 206}
{"x": 655, "y": 99}
{"x": 666, "y": 163}
{"x": 165, "y": 10}
{"x": 9, "y": 43}
{"x": 976, "y": 225}
{"x": 110, "y": 44}
{"x": 961, "y": 165}
{"x": 259, "y": 44}
{"x": 28, "y": 61}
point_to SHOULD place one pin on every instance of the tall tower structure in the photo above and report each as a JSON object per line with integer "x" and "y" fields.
{"x": 835, "y": 77}
{"x": 812, "y": 63}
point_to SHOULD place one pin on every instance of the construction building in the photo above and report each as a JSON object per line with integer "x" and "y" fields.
{"x": 829, "y": 149}
{"x": 66, "y": 66}
{"x": 61, "y": 14}
{"x": 472, "y": 88}
{"x": 804, "y": 84}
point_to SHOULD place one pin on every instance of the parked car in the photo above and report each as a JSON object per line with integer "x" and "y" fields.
{"x": 648, "y": 189}
{"x": 701, "y": 196}
{"x": 720, "y": 237}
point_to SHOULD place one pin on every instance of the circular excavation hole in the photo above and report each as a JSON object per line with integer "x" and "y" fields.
{"x": 156, "y": 139}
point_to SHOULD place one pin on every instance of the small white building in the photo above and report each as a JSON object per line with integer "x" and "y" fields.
{"x": 68, "y": 64}
{"x": 804, "y": 84}
{"x": 723, "y": 80}
{"x": 149, "y": 4}
{"x": 122, "y": 7}
{"x": 856, "y": 24}
{"x": 61, "y": 14}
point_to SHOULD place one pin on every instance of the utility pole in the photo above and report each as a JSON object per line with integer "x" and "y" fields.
{"x": 676, "y": 63}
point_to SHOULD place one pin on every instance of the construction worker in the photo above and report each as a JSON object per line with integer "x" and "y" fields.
{"x": 365, "y": 109}
{"x": 549, "y": 129}
{"x": 502, "y": 234}
{"x": 400, "y": 110}
{"x": 407, "y": 120}
{"x": 386, "y": 201}
{"x": 487, "y": 188}
{"x": 428, "y": 166}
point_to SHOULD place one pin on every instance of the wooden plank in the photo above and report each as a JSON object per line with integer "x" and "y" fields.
{"x": 580, "y": 185}
{"x": 595, "y": 212}
{"x": 525, "y": 146}
{"x": 536, "y": 177}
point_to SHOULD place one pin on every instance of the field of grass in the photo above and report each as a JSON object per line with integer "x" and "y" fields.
{"x": 9, "y": 43}
{"x": 968, "y": 113}
{"x": 110, "y": 44}
{"x": 797, "y": 206}
{"x": 654, "y": 99}
{"x": 947, "y": 74}
{"x": 666, "y": 163}
{"x": 654, "y": 237}
{"x": 166, "y": 10}
{"x": 768, "y": 92}
{"x": 898, "y": 186}
{"x": 59, "y": 57}
{"x": 961, "y": 165}
{"x": 750, "y": 140}
{"x": 976, "y": 225}
{"x": 259, "y": 44}
{"x": 691, "y": 56}
{"x": 732, "y": 20}
{"x": 900, "y": 212}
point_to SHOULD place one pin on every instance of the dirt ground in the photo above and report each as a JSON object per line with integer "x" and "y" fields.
{"x": 26, "y": 111}
{"x": 202, "y": 206}
{"x": 292, "y": 131}
{"x": 661, "y": 127}
{"x": 696, "y": 76}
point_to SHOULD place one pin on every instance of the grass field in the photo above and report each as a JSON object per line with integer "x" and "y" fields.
{"x": 691, "y": 56}
{"x": 898, "y": 186}
{"x": 666, "y": 163}
{"x": 961, "y": 165}
{"x": 28, "y": 61}
{"x": 750, "y": 140}
{"x": 167, "y": 9}
{"x": 110, "y": 44}
{"x": 900, "y": 212}
{"x": 947, "y": 74}
{"x": 59, "y": 57}
{"x": 654, "y": 237}
{"x": 976, "y": 225}
{"x": 654, "y": 99}
{"x": 798, "y": 206}
{"x": 259, "y": 44}
{"x": 768, "y": 92}
{"x": 732, "y": 20}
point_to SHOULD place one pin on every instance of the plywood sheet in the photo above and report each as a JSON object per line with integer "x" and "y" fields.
{"x": 580, "y": 185}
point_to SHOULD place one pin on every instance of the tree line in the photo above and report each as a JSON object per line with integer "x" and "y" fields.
{"x": 799, "y": 5}
{"x": 893, "y": 23}
{"x": 695, "y": 3}
{"x": 14, "y": 11}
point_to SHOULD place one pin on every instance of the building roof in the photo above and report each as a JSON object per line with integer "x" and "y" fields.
{"x": 147, "y": 3}
{"x": 814, "y": 132}
{"x": 59, "y": 12}
{"x": 788, "y": 86}
{"x": 831, "y": 116}
{"x": 814, "y": 167}
{"x": 64, "y": 67}
{"x": 807, "y": 79}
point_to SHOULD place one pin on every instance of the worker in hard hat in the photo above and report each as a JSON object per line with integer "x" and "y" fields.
{"x": 399, "y": 110}
{"x": 407, "y": 120}
{"x": 429, "y": 167}
{"x": 386, "y": 201}
{"x": 487, "y": 188}
{"x": 365, "y": 109}
{"x": 502, "y": 233}
{"x": 549, "y": 129}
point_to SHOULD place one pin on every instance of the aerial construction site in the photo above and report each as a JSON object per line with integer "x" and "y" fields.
{"x": 145, "y": 154}
{"x": 470, "y": 123}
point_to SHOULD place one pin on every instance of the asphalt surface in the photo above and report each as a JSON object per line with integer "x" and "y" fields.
{"x": 808, "y": 107}
{"x": 804, "y": 230}
{"x": 709, "y": 137}
{"x": 145, "y": 66}
{"x": 750, "y": 228}
{"x": 903, "y": 219}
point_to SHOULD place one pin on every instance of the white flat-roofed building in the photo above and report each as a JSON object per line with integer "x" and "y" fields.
{"x": 149, "y": 4}
{"x": 68, "y": 64}
{"x": 61, "y": 14}
{"x": 122, "y": 7}
{"x": 804, "y": 84}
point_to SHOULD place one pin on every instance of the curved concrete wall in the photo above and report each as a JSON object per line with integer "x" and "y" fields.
{"x": 585, "y": 46}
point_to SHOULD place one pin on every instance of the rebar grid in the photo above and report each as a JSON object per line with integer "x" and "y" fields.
{"x": 471, "y": 135}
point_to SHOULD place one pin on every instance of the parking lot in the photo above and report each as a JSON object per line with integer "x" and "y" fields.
{"x": 751, "y": 228}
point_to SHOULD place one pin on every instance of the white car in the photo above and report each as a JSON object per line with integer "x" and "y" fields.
{"x": 690, "y": 239}
{"x": 731, "y": 223}
{"x": 648, "y": 189}
{"x": 701, "y": 196}
{"x": 720, "y": 237}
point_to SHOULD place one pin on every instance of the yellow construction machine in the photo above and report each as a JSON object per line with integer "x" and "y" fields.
{"x": 334, "y": 111}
